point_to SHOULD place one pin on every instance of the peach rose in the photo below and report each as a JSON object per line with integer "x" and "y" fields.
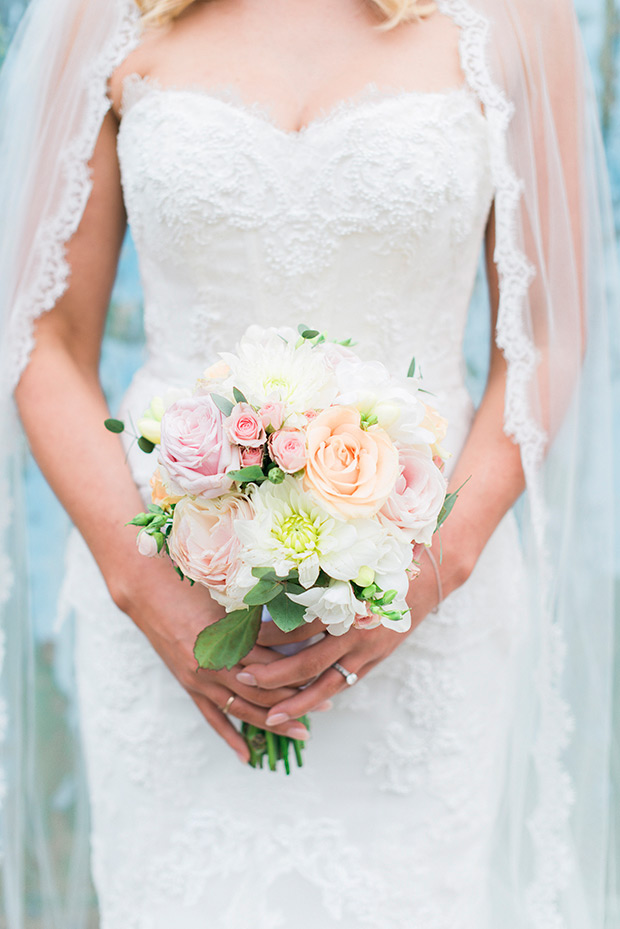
{"x": 351, "y": 470}
{"x": 245, "y": 427}
{"x": 436, "y": 424}
{"x": 159, "y": 494}
{"x": 204, "y": 544}
{"x": 287, "y": 447}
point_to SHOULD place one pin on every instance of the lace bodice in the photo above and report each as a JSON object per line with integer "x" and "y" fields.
{"x": 367, "y": 223}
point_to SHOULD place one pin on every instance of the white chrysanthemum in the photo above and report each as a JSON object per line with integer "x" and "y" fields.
{"x": 269, "y": 367}
{"x": 336, "y": 605}
{"x": 290, "y": 531}
{"x": 370, "y": 388}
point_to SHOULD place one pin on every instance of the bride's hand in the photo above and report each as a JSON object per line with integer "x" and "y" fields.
{"x": 359, "y": 651}
{"x": 171, "y": 614}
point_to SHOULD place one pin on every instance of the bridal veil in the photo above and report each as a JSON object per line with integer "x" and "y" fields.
{"x": 555, "y": 260}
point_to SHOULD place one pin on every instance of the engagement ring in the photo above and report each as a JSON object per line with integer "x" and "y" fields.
{"x": 349, "y": 676}
{"x": 226, "y": 709}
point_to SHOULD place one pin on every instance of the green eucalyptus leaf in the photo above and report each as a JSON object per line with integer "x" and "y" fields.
{"x": 265, "y": 573}
{"x": 286, "y": 614}
{"x": 225, "y": 406}
{"x": 239, "y": 397}
{"x": 226, "y": 642}
{"x": 310, "y": 333}
{"x": 412, "y": 366}
{"x": 301, "y": 329}
{"x": 253, "y": 473}
{"x": 114, "y": 425}
{"x": 261, "y": 593}
{"x": 145, "y": 445}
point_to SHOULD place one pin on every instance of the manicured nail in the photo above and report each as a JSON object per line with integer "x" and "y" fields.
{"x": 242, "y": 758}
{"x": 298, "y": 732}
{"x": 323, "y": 707}
{"x": 277, "y": 719}
{"x": 244, "y": 677}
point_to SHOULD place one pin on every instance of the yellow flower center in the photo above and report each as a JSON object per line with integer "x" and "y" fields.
{"x": 297, "y": 532}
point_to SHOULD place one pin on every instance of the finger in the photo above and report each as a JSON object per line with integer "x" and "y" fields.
{"x": 298, "y": 669}
{"x": 224, "y": 728}
{"x": 236, "y": 682}
{"x": 330, "y": 683}
{"x": 270, "y": 635}
{"x": 250, "y": 713}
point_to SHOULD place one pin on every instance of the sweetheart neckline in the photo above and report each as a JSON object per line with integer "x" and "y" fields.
{"x": 142, "y": 87}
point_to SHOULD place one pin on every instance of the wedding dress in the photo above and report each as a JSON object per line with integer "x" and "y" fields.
{"x": 466, "y": 782}
{"x": 368, "y": 223}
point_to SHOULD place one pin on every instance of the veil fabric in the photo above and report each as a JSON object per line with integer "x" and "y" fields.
{"x": 555, "y": 260}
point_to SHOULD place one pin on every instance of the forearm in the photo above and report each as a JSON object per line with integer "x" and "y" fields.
{"x": 490, "y": 463}
{"x": 63, "y": 409}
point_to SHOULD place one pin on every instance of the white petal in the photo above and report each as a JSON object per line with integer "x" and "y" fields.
{"x": 309, "y": 570}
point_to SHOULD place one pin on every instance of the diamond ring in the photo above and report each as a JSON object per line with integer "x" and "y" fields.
{"x": 349, "y": 676}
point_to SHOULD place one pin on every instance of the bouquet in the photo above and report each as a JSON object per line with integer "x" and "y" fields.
{"x": 297, "y": 477}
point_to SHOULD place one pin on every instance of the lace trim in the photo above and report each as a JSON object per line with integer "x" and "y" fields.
{"x": 51, "y": 274}
{"x": 137, "y": 86}
{"x": 516, "y": 273}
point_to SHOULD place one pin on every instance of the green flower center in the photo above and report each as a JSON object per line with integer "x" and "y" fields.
{"x": 297, "y": 533}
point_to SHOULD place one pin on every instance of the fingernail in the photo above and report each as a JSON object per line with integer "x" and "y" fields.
{"x": 242, "y": 758}
{"x": 276, "y": 719}
{"x": 244, "y": 677}
{"x": 298, "y": 732}
{"x": 322, "y": 707}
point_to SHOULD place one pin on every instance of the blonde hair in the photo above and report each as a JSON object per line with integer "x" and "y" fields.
{"x": 160, "y": 12}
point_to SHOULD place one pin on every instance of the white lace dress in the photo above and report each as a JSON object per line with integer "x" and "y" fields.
{"x": 368, "y": 223}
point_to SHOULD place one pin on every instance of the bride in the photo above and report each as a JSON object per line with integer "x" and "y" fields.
{"x": 341, "y": 163}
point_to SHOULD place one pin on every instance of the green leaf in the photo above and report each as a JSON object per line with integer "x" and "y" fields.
{"x": 145, "y": 445}
{"x": 114, "y": 425}
{"x": 286, "y": 614}
{"x": 252, "y": 473}
{"x": 448, "y": 505}
{"x": 301, "y": 329}
{"x": 226, "y": 642}
{"x": 153, "y": 508}
{"x": 310, "y": 333}
{"x": 239, "y": 397}
{"x": 224, "y": 405}
{"x": 267, "y": 574}
{"x": 411, "y": 371}
{"x": 261, "y": 593}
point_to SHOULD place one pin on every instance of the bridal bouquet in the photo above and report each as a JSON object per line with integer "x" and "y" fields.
{"x": 296, "y": 477}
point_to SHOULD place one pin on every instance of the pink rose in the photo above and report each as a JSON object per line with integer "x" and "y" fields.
{"x": 288, "y": 449}
{"x": 352, "y": 471}
{"x": 272, "y": 414}
{"x": 245, "y": 427}
{"x": 310, "y": 415}
{"x": 252, "y": 456}
{"x": 195, "y": 449}
{"x": 204, "y": 545}
{"x": 418, "y": 496}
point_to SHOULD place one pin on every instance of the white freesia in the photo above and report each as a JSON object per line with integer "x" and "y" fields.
{"x": 291, "y": 531}
{"x": 336, "y": 606}
{"x": 394, "y": 402}
{"x": 269, "y": 367}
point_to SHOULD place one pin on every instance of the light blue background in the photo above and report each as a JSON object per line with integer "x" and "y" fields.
{"x": 600, "y": 22}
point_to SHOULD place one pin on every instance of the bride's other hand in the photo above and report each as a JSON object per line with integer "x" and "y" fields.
{"x": 171, "y": 615}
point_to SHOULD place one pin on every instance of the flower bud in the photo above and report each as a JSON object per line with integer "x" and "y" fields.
{"x": 150, "y": 429}
{"x": 157, "y": 409}
{"x": 366, "y": 577}
{"x": 276, "y": 475}
{"x": 147, "y": 544}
